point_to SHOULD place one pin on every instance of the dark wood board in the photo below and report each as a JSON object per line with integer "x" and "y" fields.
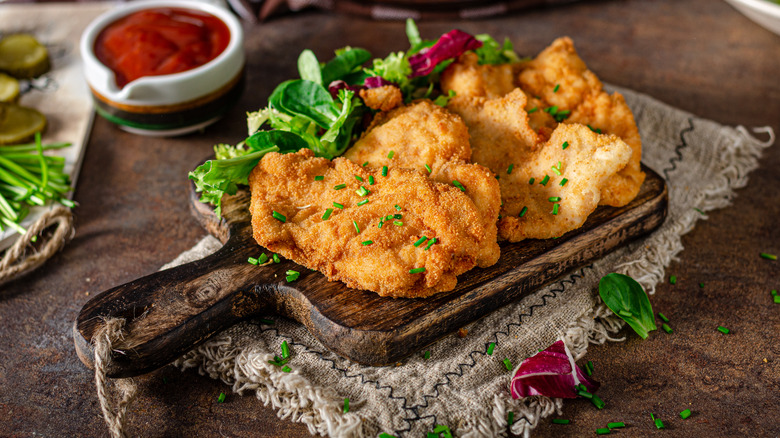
{"x": 172, "y": 311}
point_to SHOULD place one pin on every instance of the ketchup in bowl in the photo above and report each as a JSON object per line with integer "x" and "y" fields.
{"x": 160, "y": 41}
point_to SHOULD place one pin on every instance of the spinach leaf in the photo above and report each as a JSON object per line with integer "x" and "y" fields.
{"x": 343, "y": 64}
{"x": 626, "y": 298}
{"x": 284, "y": 141}
{"x": 309, "y": 67}
{"x": 311, "y": 100}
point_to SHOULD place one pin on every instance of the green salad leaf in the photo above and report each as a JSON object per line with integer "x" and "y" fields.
{"x": 627, "y": 299}
{"x": 492, "y": 52}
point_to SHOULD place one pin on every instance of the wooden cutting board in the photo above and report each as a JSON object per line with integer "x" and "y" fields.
{"x": 170, "y": 312}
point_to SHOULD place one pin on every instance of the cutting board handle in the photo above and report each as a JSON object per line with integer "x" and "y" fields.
{"x": 169, "y": 312}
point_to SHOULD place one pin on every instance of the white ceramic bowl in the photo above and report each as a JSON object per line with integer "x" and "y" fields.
{"x": 763, "y": 12}
{"x": 172, "y": 104}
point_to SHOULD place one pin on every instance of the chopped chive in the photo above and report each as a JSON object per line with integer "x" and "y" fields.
{"x": 589, "y": 368}
{"x": 358, "y": 177}
{"x": 672, "y": 279}
{"x": 509, "y": 170}
{"x": 544, "y": 180}
{"x": 533, "y": 110}
{"x": 557, "y": 86}
{"x": 667, "y": 329}
{"x": 723, "y": 330}
{"x": 371, "y": 179}
{"x": 357, "y": 228}
{"x": 510, "y": 418}
{"x": 337, "y": 205}
{"x": 776, "y": 299}
{"x": 773, "y": 292}
{"x": 285, "y": 346}
{"x": 292, "y": 275}
{"x": 565, "y": 145}
{"x": 339, "y": 186}
{"x": 596, "y": 130}
{"x": 458, "y": 185}
{"x": 275, "y": 258}
{"x": 398, "y": 216}
{"x": 428, "y": 168}
{"x": 603, "y": 431}
{"x": 427, "y": 355}
{"x": 221, "y": 398}
{"x": 768, "y": 256}
{"x": 700, "y": 212}
{"x": 278, "y": 216}
{"x": 597, "y": 402}
{"x": 556, "y": 170}
{"x": 507, "y": 364}
{"x": 417, "y": 270}
{"x": 555, "y": 209}
{"x": 262, "y": 259}
{"x": 326, "y": 216}
{"x": 367, "y": 242}
{"x": 389, "y": 217}
{"x": 685, "y": 414}
{"x": 498, "y": 176}
{"x": 365, "y": 164}
{"x": 586, "y": 394}
{"x": 659, "y": 424}
{"x": 560, "y": 421}
{"x": 267, "y": 321}
{"x": 286, "y": 369}
{"x": 523, "y": 212}
{"x": 490, "y": 348}
{"x": 380, "y": 224}
{"x": 362, "y": 191}
{"x": 430, "y": 243}
{"x": 386, "y": 435}
{"x": 663, "y": 317}
{"x": 363, "y": 202}
{"x": 384, "y": 170}
{"x": 531, "y": 181}
{"x": 623, "y": 312}
{"x": 420, "y": 241}
{"x": 390, "y": 155}
{"x": 398, "y": 223}
{"x": 319, "y": 178}
{"x": 554, "y": 199}
{"x": 701, "y": 285}
{"x": 346, "y": 405}
{"x": 252, "y": 261}
{"x": 564, "y": 181}
{"x": 616, "y": 425}
{"x": 397, "y": 207}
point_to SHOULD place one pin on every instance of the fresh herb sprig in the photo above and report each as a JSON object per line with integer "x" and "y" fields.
{"x": 627, "y": 299}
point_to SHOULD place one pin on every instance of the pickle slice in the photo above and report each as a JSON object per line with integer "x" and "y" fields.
{"x": 23, "y": 57}
{"x": 9, "y": 88}
{"x": 18, "y": 123}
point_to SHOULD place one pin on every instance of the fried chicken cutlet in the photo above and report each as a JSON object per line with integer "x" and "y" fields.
{"x": 424, "y": 134}
{"x": 367, "y": 235}
{"x": 548, "y": 186}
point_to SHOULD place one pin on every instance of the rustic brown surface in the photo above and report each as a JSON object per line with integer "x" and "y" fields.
{"x": 700, "y": 55}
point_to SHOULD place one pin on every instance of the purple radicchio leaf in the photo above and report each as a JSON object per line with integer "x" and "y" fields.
{"x": 370, "y": 82}
{"x": 451, "y": 45}
{"x": 552, "y": 373}
{"x": 376, "y": 82}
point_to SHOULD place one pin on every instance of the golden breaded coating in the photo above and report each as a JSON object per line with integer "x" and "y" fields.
{"x": 469, "y": 79}
{"x": 382, "y": 98}
{"x": 503, "y": 140}
{"x": 421, "y": 134}
{"x": 339, "y": 245}
{"x": 560, "y": 78}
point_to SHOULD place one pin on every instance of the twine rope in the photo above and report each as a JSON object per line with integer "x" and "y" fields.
{"x": 114, "y": 399}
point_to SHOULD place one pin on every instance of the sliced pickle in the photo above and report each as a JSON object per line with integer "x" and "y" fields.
{"x": 9, "y": 88}
{"x": 19, "y": 124}
{"x": 23, "y": 57}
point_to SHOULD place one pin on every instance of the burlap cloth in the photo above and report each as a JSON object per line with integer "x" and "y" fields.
{"x": 461, "y": 386}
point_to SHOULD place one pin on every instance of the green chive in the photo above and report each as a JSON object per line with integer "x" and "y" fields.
{"x": 262, "y": 259}
{"x": 389, "y": 217}
{"x": 596, "y": 130}
{"x": 420, "y": 241}
{"x": 275, "y": 258}
{"x": 667, "y": 329}
{"x": 398, "y": 216}
{"x": 672, "y": 279}
{"x": 417, "y": 270}
{"x": 557, "y": 86}
{"x": 663, "y": 317}
{"x": 427, "y": 355}
{"x": 278, "y": 216}
{"x": 507, "y": 364}
{"x": 390, "y": 155}
{"x": 598, "y": 402}
{"x": 586, "y": 394}
{"x": 319, "y": 178}
{"x": 430, "y": 243}
{"x": 498, "y": 176}
{"x": 339, "y": 187}
{"x": 589, "y": 368}
{"x": 371, "y": 179}
{"x": 397, "y": 207}
{"x": 398, "y": 223}
{"x": 221, "y": 398}
{"x": 458, "y": 185}
{"x": 554, "y": 199}
{"x": 490, "y": 348}
{"x": 363, "y": 202}
{"x": 326, "y": 216}
{"x": 362, "y": 191}
{"x": 509, "y": 170}
{"x": 252, "y": 261}
{"x": 533, "y": 110}
{"x": 700, "y": 212}
{"x": 565, "y": 145}
{"x": 768, "y": 256}
{"x": 776, "y": 299}
{"x": 544, "y": 180}
{"x": 386, "y": 435}
{"x": 384, "y": 170}
{"x": 531, "y": 181}
{"x": 357, "y": 228}
{"x": 365, "y": 164}
{"x": 560, "y": 421}
{"x": 367, "y": 242}
{"x": 602, "y": 431}
{"x": 523, "y": 212}
{"x": 616, "y": 425}
{"x": 659, "y": 424}
{"x": 510, "y": 418}
{"x": 685, "y": 414}
{"x": 267, "y": 321}
{"x": 773, "y": 292}
{"x": 285, "y": 346}
{"x": 723, "y": 330}
{"x": 292, "y": 275}
{"x": 358, "y": 177}
{"x": 555, "y": 209}
{"x": 336, "y": 204}
{"x": 346, "y": 405}
{"x": 625, "y": 313}
{"x": 286, "y": 369}
{"x": 563, "y": 182}
{"x": 428, "y": 168}
{"x": 701, "y": 285}
{"x": 380, "y": 224}
{"x": 556, "y": 170}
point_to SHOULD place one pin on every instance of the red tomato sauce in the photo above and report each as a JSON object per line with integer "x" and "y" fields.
{"x": 160, "y": 41}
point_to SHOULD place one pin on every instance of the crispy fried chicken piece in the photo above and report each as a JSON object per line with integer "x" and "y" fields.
{"x": 502, "y": 137}
{"x": 467, "y": 78}
{"x": 421, "y": 134}
{"x": 286, "y": 183}
{"x": 382, "y": 98}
